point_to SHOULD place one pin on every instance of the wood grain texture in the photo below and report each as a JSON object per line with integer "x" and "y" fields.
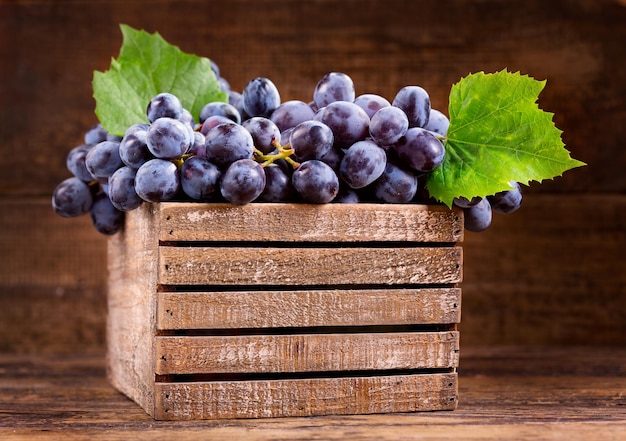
{"x": 524, "y": 393}
{"x": 276, "y": 309}
{"x": 308, "y": 266}
{"x": 311, "y": 397}
{"x": 306, "y": 352}
{"x": 310, "y": 223}
{"x": 131, "y": 308}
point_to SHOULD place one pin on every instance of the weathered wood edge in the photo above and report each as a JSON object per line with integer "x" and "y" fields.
{"x": 309, "y": 266}
{"x": 306, "y": 352}
{"x": 306, "y": 397}
{"x": 259, "y": 222}
{"x": 131, "y": 318}
{"x": 307, "y": 308}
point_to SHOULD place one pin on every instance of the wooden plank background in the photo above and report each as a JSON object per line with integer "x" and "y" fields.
{"x": 550, "y": 273}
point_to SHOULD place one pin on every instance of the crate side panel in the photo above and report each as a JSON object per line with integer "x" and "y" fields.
{"x": 306, "y": 352}
{"x": 308, "y": 308}
{"x": 310, "y": 222}
{"x": 131, "y": 298}
{"x": 309, "y": 266}
{"x": 306, "y": 397}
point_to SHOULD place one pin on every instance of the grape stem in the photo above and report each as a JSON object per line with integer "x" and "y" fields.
{"x": 282, "y": 152}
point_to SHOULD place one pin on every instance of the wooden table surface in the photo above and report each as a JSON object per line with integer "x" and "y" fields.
{"x": 505, "y": 393}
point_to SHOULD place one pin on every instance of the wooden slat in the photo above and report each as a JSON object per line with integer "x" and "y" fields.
{"x": 275, "y": 309}
{"x": 308, "y": 266}
{"x": 320, "y": 396}
{"x": 312, "y": 223}
{"x": 306, "y": 352}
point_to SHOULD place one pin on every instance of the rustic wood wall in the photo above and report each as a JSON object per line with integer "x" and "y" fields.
{"x": 552, "y": 273}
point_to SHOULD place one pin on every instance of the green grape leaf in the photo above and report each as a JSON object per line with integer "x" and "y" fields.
{"x": 146, "y": 66}
{"x": 497, "y": 134}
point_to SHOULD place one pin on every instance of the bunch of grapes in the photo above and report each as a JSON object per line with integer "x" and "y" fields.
{"x": 339, "y": 148}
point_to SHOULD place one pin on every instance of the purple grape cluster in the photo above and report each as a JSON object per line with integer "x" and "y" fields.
{"x": 337, "y": 147}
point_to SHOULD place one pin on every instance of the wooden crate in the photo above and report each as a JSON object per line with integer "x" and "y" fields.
{"x": 268, "y": 310}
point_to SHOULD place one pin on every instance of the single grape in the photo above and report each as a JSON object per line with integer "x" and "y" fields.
{"x": 95, "y": 135}
{"x": 396, "y": 185}
{"x": 164, "y": 105}
{"x": 264, "y": 133}
{"x": 221, "y": 109}
{"x": 103, "y": 159}
{"x": 278, "y": 187}
{"x": 214, "y": 121}
{"x": 315, "y": 182}
{"x": 362, "y": 164}
{"x": 227, "y": 143}
{"x": 157, "y": 180}
{"x": 168, "y": 138}
{"x": 463, "y": 202}
{"x": 198, "y": 146}
{"x": 105, "y": 217}
{"x": 420, "y": 150}
{"x": 75, "y": 162}
{"x": 371, "y": 103}
{"x": 121, "y": 190}
{"x": 134, "y": 147}
{"x": 291, "y": 113}
{"x": 311, "y": 140}
{"x": 477, "y": 217}
{"x": 415, "y": 102}
{"x": 388, "y": 125}
{"x": 348, "y": 122}
{"x": 260, "y": 97}
{"x": 438, "y": 122}
{"x": 215, "y": 68}
{"x": 347, "y": 195}
{"x": 334, "y": 86}
{"x": 72, "y": 198}
{"x": 243, "y": 181}
{"x": 507, "y": 201}
{"x": 199, "y": 178}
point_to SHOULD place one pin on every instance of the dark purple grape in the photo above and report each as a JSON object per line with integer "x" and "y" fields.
{"x": 213, "y": 121}
{"x": 311, "y": 140}
{"x": 72, "y": 198}
{"x": 199, "y": 178}
{"x": 278, "y": 187}
{"x": 134, "y": 148}
{"x": 291, "y": 113}
{"x": 315, "y": 182}
{"x": 198, "y": 146}
{"x": 334, "y": 86}
{"x": 507, "y": 201}
{"x": 463, "y": 202}
{"x": 348, "y": 122}
{"x": 103, "y": 159}
{"x": 95, "y": 135}
{"x": 362, "y": 164}
{"x": 243, "y": 182}
{"x": 415, "y": 102}
{"x": 168, "y": 138}
{"x": 438, "y": 122}
{"x": 157, "y": 180}
{"x": 220, "y": 108}
{"x": 396, "y": 185}
{"x": 121, "y": 189}
{"x": 75, "y": 162}
{"x": 420, "y": 150}
{"x": 388, "y": 125}
{"x": 264, "y": 133}
{"x": 477, "y": 218}
{"x": 164, "y": 105}
{"x": 371, "y": 103}
{"x": 227, "y": 143}
{"x": 260, "y": 97}
{"x": 105, "y": 217}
